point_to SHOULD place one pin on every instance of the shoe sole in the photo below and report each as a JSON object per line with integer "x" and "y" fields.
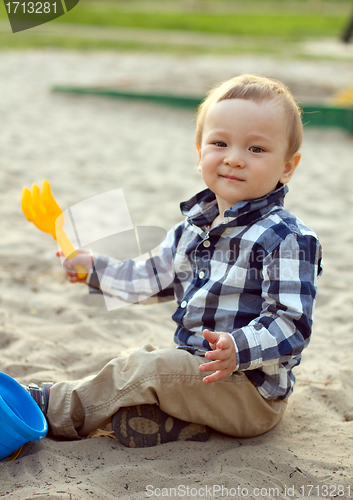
{"x": 147, "y": 425}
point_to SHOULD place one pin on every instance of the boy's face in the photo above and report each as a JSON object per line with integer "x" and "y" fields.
{"x": 243, "y": 151}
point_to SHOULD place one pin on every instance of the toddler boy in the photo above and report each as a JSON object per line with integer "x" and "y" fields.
{"x": 244, "y": 279}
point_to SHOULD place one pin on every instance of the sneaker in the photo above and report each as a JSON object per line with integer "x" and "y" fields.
{"x": 40, "y": 395}
{"x": 147, "y": 425}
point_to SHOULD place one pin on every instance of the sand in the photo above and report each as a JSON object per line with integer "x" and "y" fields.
{"x": 52, "y": 330}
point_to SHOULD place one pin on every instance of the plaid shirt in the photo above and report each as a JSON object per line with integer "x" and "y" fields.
{"x": 253, "y": 276}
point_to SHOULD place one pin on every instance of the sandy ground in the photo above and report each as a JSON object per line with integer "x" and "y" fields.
{"x": 51, "y": 330}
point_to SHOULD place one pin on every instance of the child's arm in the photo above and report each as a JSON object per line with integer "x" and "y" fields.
{"x": 223, "y": 356}
{"x": 144, "y": 279}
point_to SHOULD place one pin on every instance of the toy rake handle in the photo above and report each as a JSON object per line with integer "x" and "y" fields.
{"x": 81, "y": 272}
{"x": 69, "y": 252}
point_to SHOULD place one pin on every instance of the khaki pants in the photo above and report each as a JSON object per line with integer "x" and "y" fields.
{"x": 169, "y": 378}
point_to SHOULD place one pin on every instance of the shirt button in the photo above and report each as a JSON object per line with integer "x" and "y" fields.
{"x": 201, "y": 274}
{"x": 183, "y": 304}
{"x": 206, "y": 243}
{"x": 228, "y": 231}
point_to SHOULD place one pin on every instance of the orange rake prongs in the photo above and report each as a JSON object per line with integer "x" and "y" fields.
{"x": 40, "y": 207}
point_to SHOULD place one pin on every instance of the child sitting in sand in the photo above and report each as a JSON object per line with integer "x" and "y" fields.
{"x": 245, "y": 272}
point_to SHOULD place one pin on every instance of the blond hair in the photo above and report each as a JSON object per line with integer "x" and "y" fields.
{"x": 256, "y": 88}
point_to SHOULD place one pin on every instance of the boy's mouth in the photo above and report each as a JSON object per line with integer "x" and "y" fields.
{"x": 232, "y": 178}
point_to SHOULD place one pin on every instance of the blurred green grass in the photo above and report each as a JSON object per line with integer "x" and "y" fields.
{"x": 266, "y": 25}
{"x": 290, "y": 26}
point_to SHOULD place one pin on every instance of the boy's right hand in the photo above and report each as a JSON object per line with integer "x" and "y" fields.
{"x": 84, "y": 258}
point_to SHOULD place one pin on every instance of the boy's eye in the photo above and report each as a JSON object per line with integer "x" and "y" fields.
{"x": 220, "y": 144}
{"x": 256, "y": 149}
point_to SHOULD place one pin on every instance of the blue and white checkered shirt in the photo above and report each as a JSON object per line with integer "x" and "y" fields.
{"x": 253, "y": 276}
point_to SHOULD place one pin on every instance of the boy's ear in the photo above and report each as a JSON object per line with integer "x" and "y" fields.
{"x": 199, "y": 157}
{"x": 289, "y": 168}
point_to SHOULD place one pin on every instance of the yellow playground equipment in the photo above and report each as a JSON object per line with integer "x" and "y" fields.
{"x": 40, "y": 207}
{"x": 343, "y": 98}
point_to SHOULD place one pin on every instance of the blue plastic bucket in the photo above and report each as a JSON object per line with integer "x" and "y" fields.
{"x": 21, "y": 419}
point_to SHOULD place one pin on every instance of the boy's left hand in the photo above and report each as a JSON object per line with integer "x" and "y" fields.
{"x": 223, "y": 356}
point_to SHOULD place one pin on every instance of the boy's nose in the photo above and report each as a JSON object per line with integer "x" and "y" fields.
{"x": 234, "y": 158}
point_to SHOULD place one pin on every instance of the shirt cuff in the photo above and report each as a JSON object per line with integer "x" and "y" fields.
{"x": 100, "y": 263}
{"x": 248, "y": 348}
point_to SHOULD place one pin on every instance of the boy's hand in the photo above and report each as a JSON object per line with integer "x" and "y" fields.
{"x": 223, "y": 356}
{"x": 84, "y": 258}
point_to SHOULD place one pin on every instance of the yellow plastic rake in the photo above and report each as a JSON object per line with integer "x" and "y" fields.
{"x": 39, "y": 206}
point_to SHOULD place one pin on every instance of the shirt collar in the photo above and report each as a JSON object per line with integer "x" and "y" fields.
{"x": 202, "y": 208}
